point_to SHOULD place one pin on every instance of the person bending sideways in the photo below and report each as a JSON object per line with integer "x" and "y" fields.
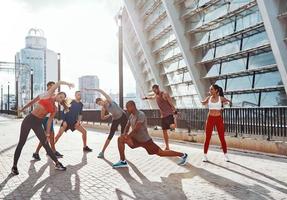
{"x": 139, "y": 137}
{"x": 46, "y": 105}
{"x": 72, "y": 121}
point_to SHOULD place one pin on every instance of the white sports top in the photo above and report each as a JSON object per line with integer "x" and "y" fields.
{"x": 216, "y": 105}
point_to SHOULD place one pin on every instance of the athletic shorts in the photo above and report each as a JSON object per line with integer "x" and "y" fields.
{"x": 149, "y": 146}
{"x": 44, "y": 124}
{"x": 70, "y": 126}
{"x": 166, "y": 122}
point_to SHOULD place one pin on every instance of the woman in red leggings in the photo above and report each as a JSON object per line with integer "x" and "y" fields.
{"x": 214, "y": 118}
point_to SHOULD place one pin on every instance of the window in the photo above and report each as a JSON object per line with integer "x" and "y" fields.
{"x": 245, "y": 100}
{"x": 233, "y": 66}
{"x": 255, "y": 41}
{"x": 227, "y": 49}
{"x": 213, "y": 71}
{"x": 268, "y": 79}
{"x": 239, "y": 83}
{"x": 276, "y": 98}
{"x": 261, "y": 60}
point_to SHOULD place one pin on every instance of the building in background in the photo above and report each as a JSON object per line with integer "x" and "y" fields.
{"x": 185, "y": 45}
{"x": 35, "y": 56}
{"x": 89, "y": 97}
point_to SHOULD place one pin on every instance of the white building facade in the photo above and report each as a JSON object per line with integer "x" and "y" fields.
{"x": 37, "y": 59}
{"x": 186, "y": 45}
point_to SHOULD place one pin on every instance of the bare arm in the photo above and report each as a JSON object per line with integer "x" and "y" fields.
{"x": 30, "y": 103}
{"x": 136, "y": 129}
{"x": 51, "y": 91}
{"x": 205, "y": 101}
{"x": 127, "y": 128}
{"x": 103, "y": 114}
{"x": 149, "y": 97}
{"x": 107, "y": 97}
{"x": 225, "y": 100}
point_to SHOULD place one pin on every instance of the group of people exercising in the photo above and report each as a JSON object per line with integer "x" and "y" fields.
{"x": 133, "y": 122}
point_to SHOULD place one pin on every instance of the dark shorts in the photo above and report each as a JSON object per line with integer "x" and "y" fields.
{"x": 70, "y": 126}
{"x": 115, "y": 123}
{"x": 44, "y": 124}
{"x": 149, "y": 146}
{"x": 166, "y": 122}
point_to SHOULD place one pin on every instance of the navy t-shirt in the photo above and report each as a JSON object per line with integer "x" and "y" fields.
{"x": 75, "y": 110}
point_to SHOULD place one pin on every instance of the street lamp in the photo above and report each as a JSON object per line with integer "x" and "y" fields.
{"x": 32, "y": 85}
{"x": 119, "y": 22}
{"x": 59, "y": 78}
{"x": 8, "y": 99}
{"x": 1, "y": 98}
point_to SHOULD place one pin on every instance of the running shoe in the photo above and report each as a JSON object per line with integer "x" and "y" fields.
{"x": 36, "y": 156}
{"x": 101, "y": 155}
{"x": 60, "y": 167}
{"x": 87, "y": 149}
{"x": 57, "y": 154}
{"x": 120, "y": 164}
{"x": 14, "y": 170}
{"x": 226, "y": 158}
{"x": 183, "y": 159}
{"x": 204, "y": 159}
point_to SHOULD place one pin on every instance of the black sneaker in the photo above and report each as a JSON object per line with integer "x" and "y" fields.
{"x": 60, "y": 167}
{"x": 36, "y": 156}
{"x": 57, "y": 154}
{"x": 14, "y": 171}
{"x": 87, "y": 149}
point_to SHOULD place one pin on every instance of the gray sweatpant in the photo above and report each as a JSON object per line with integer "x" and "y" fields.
{"x": 34, "y": 123}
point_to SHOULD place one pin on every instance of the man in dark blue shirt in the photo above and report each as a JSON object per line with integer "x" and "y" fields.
{"x": 72, "y": 121}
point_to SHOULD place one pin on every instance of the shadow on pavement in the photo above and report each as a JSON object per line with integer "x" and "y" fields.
{"x": 57, "y": 184}
{"x": 147, "y": 189}
{"x": 283, "y": 190}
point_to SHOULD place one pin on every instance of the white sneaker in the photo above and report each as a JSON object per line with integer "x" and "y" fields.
{"x": 204, "y": 159}
{"x": 226, "y": 158}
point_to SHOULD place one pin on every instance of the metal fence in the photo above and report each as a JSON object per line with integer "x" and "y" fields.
{"x": 267, "y": 123}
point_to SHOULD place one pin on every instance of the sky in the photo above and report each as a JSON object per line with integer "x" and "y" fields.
{"x": 83, "y": 31}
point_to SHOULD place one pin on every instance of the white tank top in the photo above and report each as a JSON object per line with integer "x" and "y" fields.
{"x": 214, "y": 106}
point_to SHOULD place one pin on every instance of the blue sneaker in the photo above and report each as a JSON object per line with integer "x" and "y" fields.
{"x": 183, "y": 159}
{"x": 120, "y": 164}
{"x": 101, "y": 155}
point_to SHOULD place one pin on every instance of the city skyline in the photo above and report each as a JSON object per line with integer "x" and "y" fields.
{"x": 75, "y": 30}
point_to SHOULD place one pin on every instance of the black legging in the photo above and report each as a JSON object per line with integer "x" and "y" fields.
{"x": 34, "y": 123}
{"x": 115, "y": 123}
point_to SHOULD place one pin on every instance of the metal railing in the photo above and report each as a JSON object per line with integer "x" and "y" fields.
{"x": 265, "y": 123}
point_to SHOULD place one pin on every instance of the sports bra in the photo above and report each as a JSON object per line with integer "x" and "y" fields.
{"x": 216, "y": 105}
{"x": 48, "y": 104}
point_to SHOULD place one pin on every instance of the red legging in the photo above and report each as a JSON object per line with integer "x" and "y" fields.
{"x": 210, "y": 123}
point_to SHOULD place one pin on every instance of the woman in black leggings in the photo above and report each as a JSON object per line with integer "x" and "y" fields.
{"x": 46, "y": 104}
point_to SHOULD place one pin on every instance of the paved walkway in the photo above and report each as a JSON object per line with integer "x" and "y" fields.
{"x": 248, "y": 177}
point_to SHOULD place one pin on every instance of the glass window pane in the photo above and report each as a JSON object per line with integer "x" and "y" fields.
{"x": 213, "y": 71}
{"x": 277, "y": 98}
{"x": 261, "y": 60}
{"x": 255, "y": 41}
{"x": 245, "y": 100}
{"x": 221, "y": 83}
{"x": 239, "y": 83}
{"x": 233, "y": 66}
{"x": 268, "y": 79}
{"x": 227, "y": 49}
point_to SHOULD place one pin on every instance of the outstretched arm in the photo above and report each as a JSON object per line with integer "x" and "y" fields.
{"x": 51, "y": 91}
{"x": 205, "y": 101}
{"x": 30, "y": 103}
{"x": 107, "y": 97}
{"x": 149, "y": 97}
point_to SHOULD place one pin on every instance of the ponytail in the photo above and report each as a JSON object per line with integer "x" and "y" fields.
{"x": 219, "y": 90}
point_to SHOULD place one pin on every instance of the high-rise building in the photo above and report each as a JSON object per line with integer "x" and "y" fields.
{"x": 186, "y": 45}
{"x": 88, "y": 97}
{"x": 35, "y": 56}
